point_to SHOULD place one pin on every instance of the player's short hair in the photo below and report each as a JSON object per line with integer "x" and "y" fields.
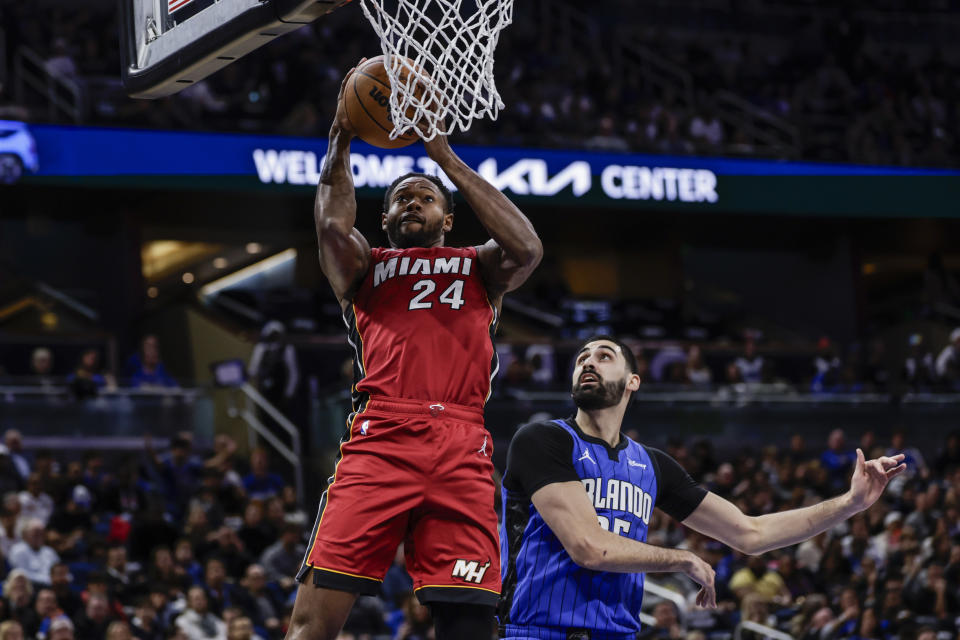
{"x": 628, "y": 354}
{"x": 413, "y": 174}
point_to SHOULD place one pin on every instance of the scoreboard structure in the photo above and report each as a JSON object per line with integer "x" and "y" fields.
{"x": 168, "y": 45}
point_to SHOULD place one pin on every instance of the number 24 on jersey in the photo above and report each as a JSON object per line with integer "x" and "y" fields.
{"x": 452, "y": 295}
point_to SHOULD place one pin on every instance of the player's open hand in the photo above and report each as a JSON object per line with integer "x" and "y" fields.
{"x": 342, "y": 121}
{"x": 703, "y": 574}
{"x": 870, "y": 478}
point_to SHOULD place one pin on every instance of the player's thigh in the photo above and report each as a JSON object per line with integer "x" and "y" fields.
{"x": 364, "y": 513}
{"x": 455, "y": 550}
{"x": 318, "y": 613}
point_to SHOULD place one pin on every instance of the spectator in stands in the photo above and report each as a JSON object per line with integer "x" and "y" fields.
{"x": 919, "y": 371}
{"x": 60, "y": 583}
{"x": 291, "y": 507}
{"x": 62, "y": 629}
{"x": 260, "y": 483}
{"x": 220, "y": 592}
{"x": 397, "y": 583}
{"x": 61, "y": 63}
{"x": 86, "y": 381}
{"x": 14, "y": 443}
{"x": 756, "y": 577}
{"x": 124, "y": 581}
{"x": 837, "y": 459}
{"x": 255, "y": 533}
{"x": 72, "y": 523}
{"x": 119, "y": 630}
{"x": 750, "y": 363}
{"x": 893, "y": 614}
{"x": 282, "y": 559}
{"x": 948, "y": 458}
{"x": 11, "y": 526}
{"x": 34, "y": 503}
{"x": 46, "y": 609}
{"x": 706, "y": 132}
{"x": 667, "y": 623}
{"x": 17, "y": 594}
{"x": 924, "y": 516}
{"x": 208, "y": 497}
{"x": 931, "y": 594}
{"x": 947, "y": 366}
{"x": 797, "y": 579}
{"x": 241, "y": 628}
{"x": 197, "y": 622}
{"x": 41, "y": 367}
{"x": 698, "y": 373}
{"x": 145, "y": 369}
{"x": 163, "y": 572}
{"x": 10, "y": 479}
{"x": 263, "y": 605}
{"x": 32, "y": 555}
{"x": 224, "y": 459}
{"x": 417, "y": 621}
{"x": 826, "y": 368}
{"x": 96, "y": 617}
{"x": 184, "y": 557}
{"x": 178, "y": 471}
{"x": 145, "y": 624}
{"x": 11, "y": 630}
{"x": 273, "y": 365}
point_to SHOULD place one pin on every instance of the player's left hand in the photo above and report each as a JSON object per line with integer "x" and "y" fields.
{"x": 870, "y": 478}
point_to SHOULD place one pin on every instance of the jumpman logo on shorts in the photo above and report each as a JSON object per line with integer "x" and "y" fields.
{"x": 483, "y": 449}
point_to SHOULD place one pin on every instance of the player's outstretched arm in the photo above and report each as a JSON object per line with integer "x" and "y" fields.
{"x": 723, "y": 521}
{"x": 514, "y": 250}
{"x": 566, "y": 509}
{"x": 344, "y": 252}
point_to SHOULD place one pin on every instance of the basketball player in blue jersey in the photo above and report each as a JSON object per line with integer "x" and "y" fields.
{"x": 565, "y": 577}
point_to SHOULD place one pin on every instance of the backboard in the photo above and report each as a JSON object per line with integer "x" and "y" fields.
{"x": 167, "y": 45}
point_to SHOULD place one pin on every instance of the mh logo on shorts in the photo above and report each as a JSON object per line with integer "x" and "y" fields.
{"x": 470, "y": 570}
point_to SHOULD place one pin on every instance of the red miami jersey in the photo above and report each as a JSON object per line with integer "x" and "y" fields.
{"x": 421, "y": 325}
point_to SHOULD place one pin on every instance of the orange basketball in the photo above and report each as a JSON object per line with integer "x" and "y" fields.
{"x": 367, "y": 101}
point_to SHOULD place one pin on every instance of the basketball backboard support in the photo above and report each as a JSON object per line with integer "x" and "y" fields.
{"x": 167, "y": 45}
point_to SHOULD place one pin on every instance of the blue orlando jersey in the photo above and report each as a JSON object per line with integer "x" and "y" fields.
{"x": 545, "y": 594}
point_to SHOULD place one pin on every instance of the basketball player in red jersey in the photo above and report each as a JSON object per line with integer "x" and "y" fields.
{"x": 415, "y": 466}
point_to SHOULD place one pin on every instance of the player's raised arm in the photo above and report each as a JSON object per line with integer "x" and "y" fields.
{"x": 723, "y": 521}
{"x": 514, "y": 250}
{"x": 344, "y": 252}
{"x": 567, "y": 510}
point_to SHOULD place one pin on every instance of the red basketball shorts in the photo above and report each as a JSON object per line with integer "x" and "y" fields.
{"x": 418, "y": 473}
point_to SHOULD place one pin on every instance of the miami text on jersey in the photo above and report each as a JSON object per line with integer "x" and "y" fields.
{"x": 386, "y": 269}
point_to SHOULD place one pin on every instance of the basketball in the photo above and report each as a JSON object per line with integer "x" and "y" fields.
{"x": 367, "y": 101}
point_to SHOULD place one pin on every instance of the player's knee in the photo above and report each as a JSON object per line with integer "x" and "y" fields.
{"x": 458, "y": 621}
{"x": 305, "y": 626}
{"x": 316, "y": 617}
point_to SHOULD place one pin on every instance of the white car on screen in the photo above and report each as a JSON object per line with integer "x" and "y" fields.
{"x": 18, "y": 151}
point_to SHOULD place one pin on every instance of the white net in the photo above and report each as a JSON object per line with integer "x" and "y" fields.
{"x": 439, "y": 57}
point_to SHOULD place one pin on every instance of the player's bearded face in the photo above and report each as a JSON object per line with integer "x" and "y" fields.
{"x": 408, "y": 229}
{"x": 591, "y": 395}
{"x": 416, "y": 216}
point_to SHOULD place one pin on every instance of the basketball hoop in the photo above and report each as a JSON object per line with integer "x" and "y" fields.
{"x": 450, "y": 44}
